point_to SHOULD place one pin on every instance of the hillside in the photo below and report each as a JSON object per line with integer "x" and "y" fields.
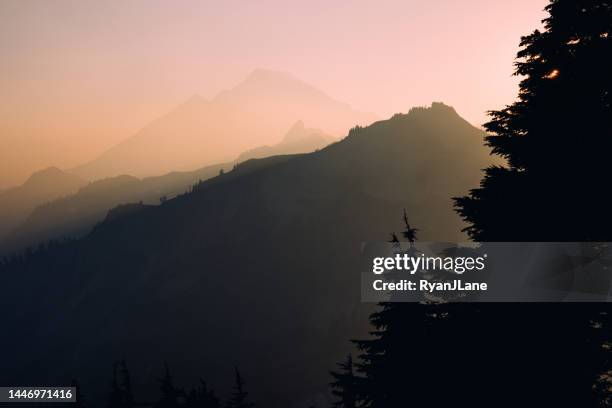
{"x": 43, "y": 186}
{"x": 74, "y": 215}
{"x": 257, "y": 268}
{"x": 200, "y": 132}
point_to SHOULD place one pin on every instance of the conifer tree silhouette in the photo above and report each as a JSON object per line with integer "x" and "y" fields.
{"x": 127, "y": 397}
{"x": 120, "y": 395}
{"x": 345, "y": 384}
{"x": 239, "y": 398}
{"x": 201, "y": 397}
{"x": 115, "y": 394}
{"x": 406, "y": 350}
{"x": 556, "y": 139}
{"x": 211, "y": 400}
{"x": 409, "y": 233}
{"x": 169, "y": 393}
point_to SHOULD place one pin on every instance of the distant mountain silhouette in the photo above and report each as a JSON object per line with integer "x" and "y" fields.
{"x": 299, "y": 139}
{"x": 45, "y": 185}
{"x": 257, "y": 111}
{"x": 259, "y": 267}
{"x": 74, "y": 215}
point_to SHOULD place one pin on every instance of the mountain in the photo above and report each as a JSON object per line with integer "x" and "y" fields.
{"x": 74, "y": 215}
{"x": 45, "y": 185}
{"x": 298, "y": 139}
{"x": 258, "y": 267}
{"x": 256, "y": 111}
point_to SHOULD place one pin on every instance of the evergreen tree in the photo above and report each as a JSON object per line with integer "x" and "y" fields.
{"x": 115, "y": 394}
{"x": 169, "y": 393}
{"x": 393, "y": 362}
{"x": 556, "y": 140}
{"x": 121, "y": 391}
{"x": 201, "y": 397}
{"x": 212, "y": 401}
{"x": 345, "y": 384}
{"x": 556, "y": 137}
{"x": 423, "y": 354}
{"x": 239, "y": 397}
{"x": 192, "y": 399}
{"x": 126, "y": 384}
{"x": 409, "y": 233}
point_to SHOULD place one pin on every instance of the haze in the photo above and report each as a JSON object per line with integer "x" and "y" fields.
{"x": 80, "y": 77}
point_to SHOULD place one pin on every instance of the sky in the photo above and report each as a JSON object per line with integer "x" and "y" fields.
{"x": 80, "y": 76}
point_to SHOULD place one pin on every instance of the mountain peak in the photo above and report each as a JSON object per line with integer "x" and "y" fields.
{"x": 271, "y": 80}
{"x": 260, "y": 74}
{"x": 199, "y": 132}
{"x": 44, "y": 175}
{"x": 441, "y": 106}
{"x": 435, "y": 108}
{"x": 49, "y": 177}
{"x": 297, "y": 129}
{"x": 299, "y": 132}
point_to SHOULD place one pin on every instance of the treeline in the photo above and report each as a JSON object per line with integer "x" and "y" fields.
{"x": 121, "y": 394}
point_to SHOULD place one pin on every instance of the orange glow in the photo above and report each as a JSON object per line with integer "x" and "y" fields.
{"x": 553, "y": 74}
{"x": 80, "y": 77}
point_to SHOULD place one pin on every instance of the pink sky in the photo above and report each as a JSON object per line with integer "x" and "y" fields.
{"x": 79, "y": 76}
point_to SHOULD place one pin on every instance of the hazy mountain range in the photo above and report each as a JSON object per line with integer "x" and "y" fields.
{"x": 298, "y": 139}
{"x": 74, "y": 214}
{"x": 201, "y": 132}
{"x": 191, "y": 142}
{"x": 258, "y": 266}
{"x": 43, "y": 186}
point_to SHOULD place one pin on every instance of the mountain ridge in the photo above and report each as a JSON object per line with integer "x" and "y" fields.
{"x": 42, "y": 186}
{"x": 199, "y": 132}
{"x": 298, "y": 139}
{"x": 73, "y": 215}
{"x": 275, "y": 247}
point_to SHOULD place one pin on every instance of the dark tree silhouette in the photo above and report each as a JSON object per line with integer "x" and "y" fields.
{"x": 201, "y": 397}
{"x": 115, "y": 396}
{"x": 120, "y": 395}
{"x": 409, "y": 233}
{"x": 443, "y": 353}
{"x": 128, "y": 397}
{"x": 345, "y": 384}
{"x": 556, "y": 139}
{"x": 404, "y": 361}
{"x": 169, "y": 393}
{"x": 407, "y": 351}
{"x": 239, "y": 398}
